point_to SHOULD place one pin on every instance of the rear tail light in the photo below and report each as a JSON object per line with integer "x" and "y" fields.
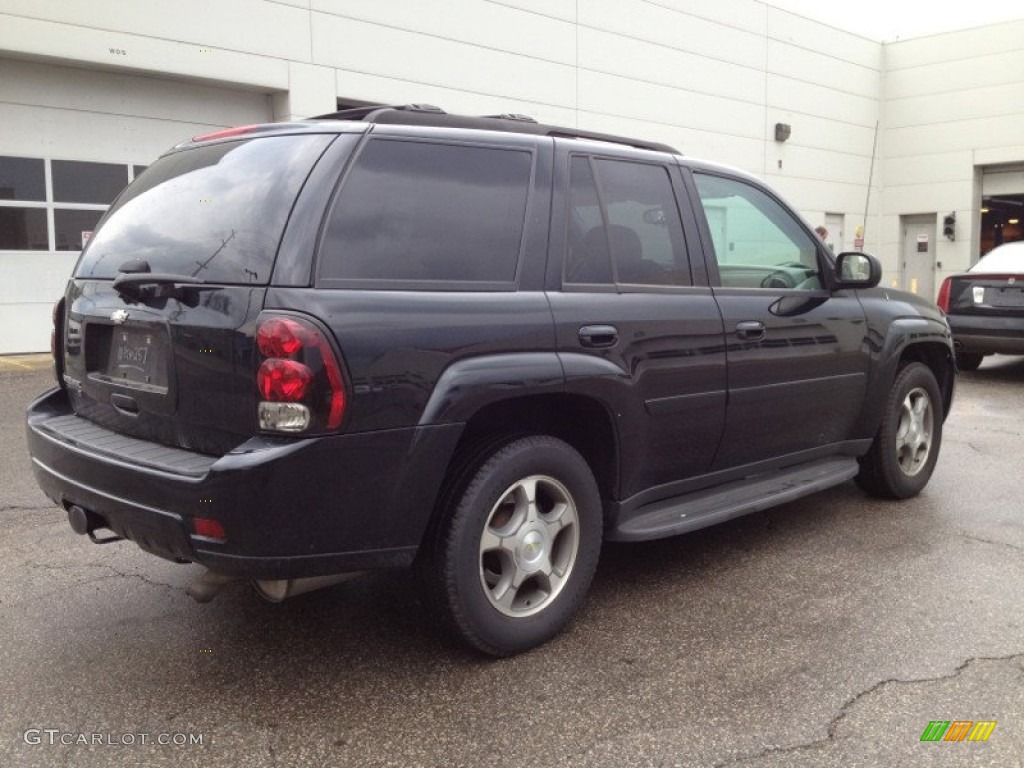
{"x": 298, "y": 377}
{"x": 943, "y": 300}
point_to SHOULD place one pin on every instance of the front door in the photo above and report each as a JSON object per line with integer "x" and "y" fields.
{"x": 918, "y": 258}
{"x": 797, "y": 357}
{"x": 635, "y": 327}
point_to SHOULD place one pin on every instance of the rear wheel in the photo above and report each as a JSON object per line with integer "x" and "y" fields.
{"x": 903, "y": 455}
{"x": 517, "y": 549}
{"x": 968, "y": 361}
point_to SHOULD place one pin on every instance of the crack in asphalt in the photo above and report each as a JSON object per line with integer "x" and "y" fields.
{"x": 991, "y": 541}
{"x": 115, "y": 571}
{"x": 833, "y": 725}
{"x": 26, "y": 507}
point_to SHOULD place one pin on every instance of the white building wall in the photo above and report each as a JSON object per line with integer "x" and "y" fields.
{"x": 954, "y": 105}
{"x": 711, "y": 77}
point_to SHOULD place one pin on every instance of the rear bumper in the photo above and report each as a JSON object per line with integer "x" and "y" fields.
{"x": 290, "y": 508}
{"x": 988, "y": 334}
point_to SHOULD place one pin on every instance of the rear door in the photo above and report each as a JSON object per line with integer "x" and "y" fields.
{"x": 171, "y": 361}
{"x": 797, "y": 353}
{"x": 636, "y": 326}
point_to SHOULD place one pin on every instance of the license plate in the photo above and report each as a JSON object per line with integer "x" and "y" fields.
{"x": 1006, "y": 297}
{"x": 137, "y": 356}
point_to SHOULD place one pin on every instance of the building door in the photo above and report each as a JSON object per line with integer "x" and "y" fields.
{"x": 917, "y": 261}
{"x": 836, "y": 240}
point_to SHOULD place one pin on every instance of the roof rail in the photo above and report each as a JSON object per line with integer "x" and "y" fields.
{"x": 428, "y": 114}
{"x": 361, "y": 113}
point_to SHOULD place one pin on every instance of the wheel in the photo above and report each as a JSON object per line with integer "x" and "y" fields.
{"x": 515, "y": 551}
{"x": 902, "y": 457}
{"x": 968, "y": 361}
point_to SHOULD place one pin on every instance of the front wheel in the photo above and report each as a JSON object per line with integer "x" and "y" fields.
{"x": 518, "y": 547}
{"x": 906, "y": 447}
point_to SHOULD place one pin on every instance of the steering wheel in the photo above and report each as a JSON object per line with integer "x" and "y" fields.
{"x": 778, "y": 279}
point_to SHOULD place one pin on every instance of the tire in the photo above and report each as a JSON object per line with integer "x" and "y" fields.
{"x": 514, "y": 552}
{"x": 902, "y": 458}
{"x": 968, "y": 361}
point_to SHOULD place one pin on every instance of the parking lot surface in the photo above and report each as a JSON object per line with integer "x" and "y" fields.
{"x": 826, "y": 632}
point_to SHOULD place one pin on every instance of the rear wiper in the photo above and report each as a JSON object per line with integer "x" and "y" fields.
{"x": 140, "y": 285}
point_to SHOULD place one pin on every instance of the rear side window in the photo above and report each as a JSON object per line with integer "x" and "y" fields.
{"x": 216, "y": 212}
{"x": 626, "y": 210}
{"x": 415, "y": 212}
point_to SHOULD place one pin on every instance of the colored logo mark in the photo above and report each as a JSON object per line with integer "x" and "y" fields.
{"x": 958, "y": 730}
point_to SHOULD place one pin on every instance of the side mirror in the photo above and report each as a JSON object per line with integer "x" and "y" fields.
{"x": 857, "y": 270}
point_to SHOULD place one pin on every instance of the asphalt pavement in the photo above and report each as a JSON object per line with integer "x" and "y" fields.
{"x": 826, "y": 632}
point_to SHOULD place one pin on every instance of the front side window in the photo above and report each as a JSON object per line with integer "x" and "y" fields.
{"x": 757, "y": 243}
{"x": 413, "y": 211}
{"x": 630, "y": 233}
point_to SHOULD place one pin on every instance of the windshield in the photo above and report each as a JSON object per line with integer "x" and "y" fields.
{"x": 214, "y": 212}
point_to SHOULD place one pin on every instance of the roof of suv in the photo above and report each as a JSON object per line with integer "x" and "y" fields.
{"x": 429, "y": 115}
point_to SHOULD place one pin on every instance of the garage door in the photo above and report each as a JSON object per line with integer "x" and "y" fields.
{"x": 1002, "y": 206}
{"x": 72, "y": 139}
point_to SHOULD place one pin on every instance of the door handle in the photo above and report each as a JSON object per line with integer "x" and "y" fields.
{"x": 124, "y": 404}
{"x": 599, "y": 335}
{"x": 750, "y": 330}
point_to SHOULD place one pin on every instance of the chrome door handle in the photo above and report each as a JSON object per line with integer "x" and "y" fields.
{"x": 750, "y": 330}
{"x": 599, "y": 336}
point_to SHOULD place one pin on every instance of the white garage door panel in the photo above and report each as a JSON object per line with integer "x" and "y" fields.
{"x": 63, "y": 113}
{"x": 1002, "y": 182}
{"x": 33, "y": 324}
{"x": 64, "y": 135}
{"x": 86, "y": 90}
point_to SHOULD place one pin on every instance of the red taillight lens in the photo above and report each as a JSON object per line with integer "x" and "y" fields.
{"x": 943, "y": 300}
{"x": 208, "y": 528}
{"x": 299, "y": 377}
{"x": 280, "y": 337}
{"x": 283, "y": 381}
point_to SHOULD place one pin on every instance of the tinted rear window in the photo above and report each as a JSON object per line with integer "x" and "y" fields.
{"x": 418, "y": 211}
{"x": 215, "y": 212}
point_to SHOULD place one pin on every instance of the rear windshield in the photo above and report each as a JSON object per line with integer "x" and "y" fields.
{"x": 1005, "y": 258}
{"x": 215, "y": 212}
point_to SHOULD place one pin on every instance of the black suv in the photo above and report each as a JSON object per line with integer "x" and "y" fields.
{"x": 391, "y": 337}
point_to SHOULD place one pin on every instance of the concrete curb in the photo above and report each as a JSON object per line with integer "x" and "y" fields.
{"x": 37, "y": 362}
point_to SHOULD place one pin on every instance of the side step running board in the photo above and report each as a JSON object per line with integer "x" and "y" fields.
{"x": 700, "y": 509}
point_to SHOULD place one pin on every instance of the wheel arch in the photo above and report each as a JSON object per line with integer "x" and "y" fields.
{"x": 581, "y": 421}
{"x": 908, "y": 340}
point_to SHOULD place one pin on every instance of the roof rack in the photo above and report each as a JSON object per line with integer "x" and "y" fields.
{"x": 428, "y": 114}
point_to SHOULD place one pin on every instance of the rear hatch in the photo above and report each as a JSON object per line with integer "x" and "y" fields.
{"x": 987, "y": 294}
{"x": 158, "y": 322}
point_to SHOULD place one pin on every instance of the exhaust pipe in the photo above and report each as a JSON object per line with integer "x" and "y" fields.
{"x": 277, "y": 590}
{"x": 208, "y": 586}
